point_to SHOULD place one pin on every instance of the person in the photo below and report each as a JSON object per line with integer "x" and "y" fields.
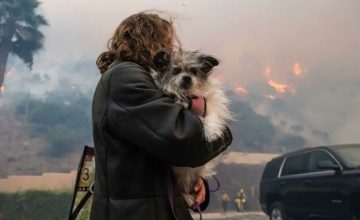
{"x": 139, "y": 132}
{"x": 240, "y": 200}
{"x": 224, "y": 200}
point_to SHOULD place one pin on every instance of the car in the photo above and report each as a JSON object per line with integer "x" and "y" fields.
{"x": 313, "y": 182}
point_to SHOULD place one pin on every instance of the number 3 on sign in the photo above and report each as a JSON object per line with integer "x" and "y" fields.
{"x": 85, "y": 175}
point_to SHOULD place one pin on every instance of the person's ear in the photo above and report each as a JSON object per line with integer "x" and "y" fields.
{"x": 161, "y": 61}
{"x": 207, "y": 63}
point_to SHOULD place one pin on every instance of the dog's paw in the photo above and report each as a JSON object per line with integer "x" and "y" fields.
{"x": 183, "y": 102}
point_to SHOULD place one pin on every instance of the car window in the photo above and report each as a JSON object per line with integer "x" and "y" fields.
{"x": 317, "y": 156}
{"x": 295, "y": 165}
{"x": 272, "y": 169}
{"x": 350, "y": 155}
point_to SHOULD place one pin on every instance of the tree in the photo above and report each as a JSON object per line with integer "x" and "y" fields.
{"x": 19, "y": 32}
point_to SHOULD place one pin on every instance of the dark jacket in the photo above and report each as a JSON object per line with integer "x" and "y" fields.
{"x": 138, "y": 134}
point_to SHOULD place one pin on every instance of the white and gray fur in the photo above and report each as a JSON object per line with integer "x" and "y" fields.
{"x": 183, "y": 75}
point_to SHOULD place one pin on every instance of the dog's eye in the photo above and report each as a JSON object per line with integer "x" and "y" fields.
{"x": 176, "y": 70}
{"x": 193, "y": 71}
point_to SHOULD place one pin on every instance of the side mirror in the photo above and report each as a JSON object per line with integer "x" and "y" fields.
{"x": 327, "y": 165}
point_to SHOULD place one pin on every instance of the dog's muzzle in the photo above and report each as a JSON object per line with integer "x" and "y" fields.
{"x": 186, "y": 82}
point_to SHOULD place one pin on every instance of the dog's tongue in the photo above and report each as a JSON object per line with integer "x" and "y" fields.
{"x": 198, "y": 106}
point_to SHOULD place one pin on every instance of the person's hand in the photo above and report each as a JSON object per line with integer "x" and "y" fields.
{"x": 200, "y": 191}
{"x": 198, "y": 105}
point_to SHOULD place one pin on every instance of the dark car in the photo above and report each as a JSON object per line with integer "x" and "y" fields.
{"x": 313, "y": 182}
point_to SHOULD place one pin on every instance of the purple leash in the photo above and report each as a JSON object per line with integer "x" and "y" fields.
{"x": 196, "y": 206}
{"x": 218, "y": 184}
{"x": 198, "y": 209}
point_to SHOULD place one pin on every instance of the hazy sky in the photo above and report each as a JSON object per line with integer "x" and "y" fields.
{"x": 248, "y": 36}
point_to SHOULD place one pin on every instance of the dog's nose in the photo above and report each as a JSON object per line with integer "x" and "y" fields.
{"x": 187, "y": 79}
{"x": 186, "y": 82}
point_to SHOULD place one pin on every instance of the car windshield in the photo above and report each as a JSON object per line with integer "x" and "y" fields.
{"x": 350, "y": 155}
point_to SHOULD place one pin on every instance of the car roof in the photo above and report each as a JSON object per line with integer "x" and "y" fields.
{"x": 308, "y": 149}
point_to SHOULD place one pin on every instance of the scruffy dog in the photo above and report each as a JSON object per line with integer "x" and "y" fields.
{"x": 185, "y": 75}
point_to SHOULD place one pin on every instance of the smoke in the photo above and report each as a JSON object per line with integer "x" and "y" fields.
{"x": 248, "y": 37}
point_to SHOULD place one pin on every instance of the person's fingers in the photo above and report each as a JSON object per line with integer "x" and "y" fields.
{"x": 198, "y": 185}
{"x": 200, "y": 191}
{"x": 201, "y": 196}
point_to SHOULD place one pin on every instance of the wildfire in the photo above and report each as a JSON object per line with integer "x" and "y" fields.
{"x": 284, "y": 86}
{"x": 241, "y": 90}
{"x": 281, "y": 88}
{"x": 297, "y": 70}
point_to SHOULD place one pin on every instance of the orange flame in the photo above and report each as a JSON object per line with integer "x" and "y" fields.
{"x": 297, "y": 70}
{"x": 241, "y": 90}
{"x": 281, "y": 88}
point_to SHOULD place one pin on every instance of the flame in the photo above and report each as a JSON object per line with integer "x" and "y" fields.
{"x": 241, "y": 90}
{"x": 297, "y": 70}
{"x": 271, "y": 97}
{"x": 281, "y": 88}
{"x": 2, "y": 88}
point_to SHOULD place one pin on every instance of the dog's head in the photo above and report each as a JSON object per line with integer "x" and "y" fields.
{"x": 184, "y": 74}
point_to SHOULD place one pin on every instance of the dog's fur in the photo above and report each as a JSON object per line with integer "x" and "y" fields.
{"x": 183, "y": 75}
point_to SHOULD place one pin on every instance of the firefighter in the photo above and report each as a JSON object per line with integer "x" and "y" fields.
{"x": 240, "y": 200}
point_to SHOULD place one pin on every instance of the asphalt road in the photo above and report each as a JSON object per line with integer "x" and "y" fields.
{"x": 232, "y": 216}
{"x": 239, "y": 216}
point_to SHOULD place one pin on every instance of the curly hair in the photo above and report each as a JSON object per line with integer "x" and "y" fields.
{"x": 137, "y": 39}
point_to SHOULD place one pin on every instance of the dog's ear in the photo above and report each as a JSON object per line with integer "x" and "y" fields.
{"x": 207, "y": 63}
{"x": 161, "y": 61}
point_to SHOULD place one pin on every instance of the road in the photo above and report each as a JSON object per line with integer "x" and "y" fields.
{"x": 239, "y": 216}
{"x": 232, "y": 216}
